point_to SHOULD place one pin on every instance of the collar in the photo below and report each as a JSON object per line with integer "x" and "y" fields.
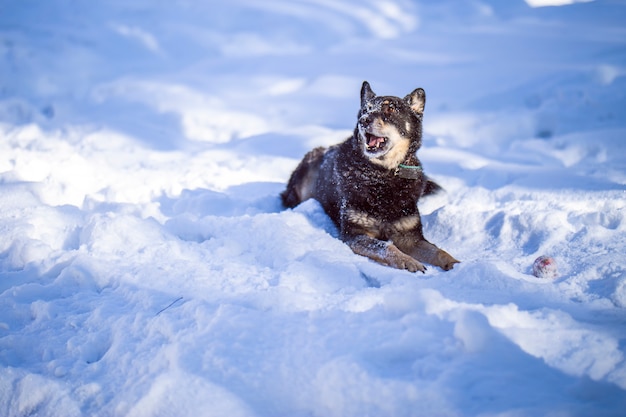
{"x": 409, "y": 172}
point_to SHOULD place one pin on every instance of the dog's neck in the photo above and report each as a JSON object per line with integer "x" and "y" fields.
{"x": 411, "y": 167}
{"x": 409, "y": 172}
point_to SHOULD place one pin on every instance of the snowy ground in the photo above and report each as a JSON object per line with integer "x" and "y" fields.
{"x": 147, "y": 268}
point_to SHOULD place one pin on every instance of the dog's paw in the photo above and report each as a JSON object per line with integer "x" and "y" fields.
{"x": 401, "y": 260}
{"x": 445, "y": 261}
{"x": 415, "y": 266}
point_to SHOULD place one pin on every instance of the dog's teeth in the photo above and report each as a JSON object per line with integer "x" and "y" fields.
{"x": 376, "y": 141}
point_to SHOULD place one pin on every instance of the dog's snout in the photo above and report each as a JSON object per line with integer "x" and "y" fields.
{"x": 371, "y": 121}
{"x": 366, "y": 120}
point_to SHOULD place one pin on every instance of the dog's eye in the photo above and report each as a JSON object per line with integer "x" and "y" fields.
{"x": 390, "y": 108}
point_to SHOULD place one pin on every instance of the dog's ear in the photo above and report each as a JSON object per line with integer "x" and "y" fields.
{"x": 366, "y": 93}
{"x": 417, "y": 100}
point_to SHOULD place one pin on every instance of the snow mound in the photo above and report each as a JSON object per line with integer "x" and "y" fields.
{"x": 147, "y": 267}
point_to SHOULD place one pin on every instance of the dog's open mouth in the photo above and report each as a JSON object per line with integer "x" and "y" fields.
{"x": 375, "y": 143}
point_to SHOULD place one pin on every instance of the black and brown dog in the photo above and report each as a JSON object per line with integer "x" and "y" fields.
{"x": 370, "y": 184}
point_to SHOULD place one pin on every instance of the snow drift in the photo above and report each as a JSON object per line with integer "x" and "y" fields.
{"x": 147, "y": 268}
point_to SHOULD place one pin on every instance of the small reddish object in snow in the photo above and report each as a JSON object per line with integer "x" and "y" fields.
{"x": 545, "y": 267}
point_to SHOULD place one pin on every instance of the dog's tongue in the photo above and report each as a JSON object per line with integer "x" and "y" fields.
{"x": 374, "y": 141}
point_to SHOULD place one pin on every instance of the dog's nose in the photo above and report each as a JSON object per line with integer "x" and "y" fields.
{"x": 372, "y": 122}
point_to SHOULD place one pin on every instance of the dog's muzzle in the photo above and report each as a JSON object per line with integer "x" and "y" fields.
{"x": 371, "y": 129}
{"x": 375, "y": 143}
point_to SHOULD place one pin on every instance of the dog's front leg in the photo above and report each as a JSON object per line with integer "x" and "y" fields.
{"x": 385, "y": 253}
{"x": 426, "y": 252}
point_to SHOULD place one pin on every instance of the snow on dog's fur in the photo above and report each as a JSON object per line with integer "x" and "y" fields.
{"x": 370, "y": 184}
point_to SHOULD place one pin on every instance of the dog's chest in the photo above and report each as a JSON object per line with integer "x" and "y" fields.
{"x": 380, "y": 193}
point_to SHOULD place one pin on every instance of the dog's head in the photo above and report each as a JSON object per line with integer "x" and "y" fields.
{"x": 389, "y": 128}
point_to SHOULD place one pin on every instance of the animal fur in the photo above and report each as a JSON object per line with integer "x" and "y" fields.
{"x": 370, "y": 184}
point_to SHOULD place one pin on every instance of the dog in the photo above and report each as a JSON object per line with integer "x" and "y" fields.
{"x": 370, "y": 184}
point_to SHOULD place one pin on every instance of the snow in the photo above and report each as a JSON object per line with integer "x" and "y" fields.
{"x": 147, "y": 267}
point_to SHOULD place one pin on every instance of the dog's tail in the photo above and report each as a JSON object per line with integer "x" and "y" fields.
{"x": 431, "y": 188}
{"x": 301, "y": 185}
